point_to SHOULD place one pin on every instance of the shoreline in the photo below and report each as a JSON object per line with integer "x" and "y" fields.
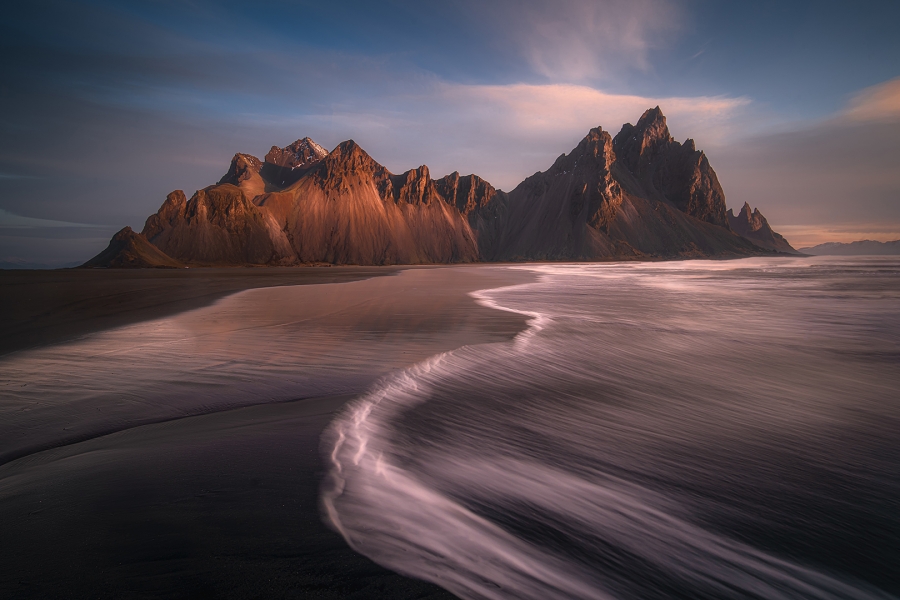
{"x": 46, "y": 307}
{"x": 41, "y": 307}
{"x": 225, "y": 503}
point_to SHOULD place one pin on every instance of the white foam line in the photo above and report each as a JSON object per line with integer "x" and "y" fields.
{"x": 537, "y": 321}
{"x": 404, "y": 525}
{"x": 443, "y": 528}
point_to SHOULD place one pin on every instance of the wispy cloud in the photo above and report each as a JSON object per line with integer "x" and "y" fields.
{"x": 169, "y": 92}
{"x": 501, "y": 132}
{"x": 14, "y": 221}
{"x": 578, "y": 40}
{"x": 877, "y": 103}
{"x": 543, "y": 109}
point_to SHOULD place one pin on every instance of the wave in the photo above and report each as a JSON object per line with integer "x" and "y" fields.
{"x": 458, "y": 470}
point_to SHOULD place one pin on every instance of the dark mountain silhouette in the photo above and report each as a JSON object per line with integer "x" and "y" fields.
{"x": 860, "y": 248}
{"x": 638, "y": 195}
{"x": 661, "y": 199}
{"x": 754, "y": 227}
{"x": 665, "y": 169}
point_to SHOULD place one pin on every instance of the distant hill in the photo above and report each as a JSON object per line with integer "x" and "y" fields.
{"x": 638, "y": 195}
{"x": 130, "y": 250}
{"x": 860, "y": 248}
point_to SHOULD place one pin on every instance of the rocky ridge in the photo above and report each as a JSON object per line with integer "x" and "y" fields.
{"x": 637, "y": 195}
{"x": 754, "y": 226}
{"x": 666, "y": 169}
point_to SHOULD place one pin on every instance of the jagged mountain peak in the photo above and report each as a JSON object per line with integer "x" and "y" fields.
{"x": 412, "y": 187}
{"x": 596, "y": 143}
{"x": 665, "y": 168}
{"x": 652, "y": 126}
{"x": 421, "y": 173}
{"x": 456, "y": 178}
{"x": 243, "y": 168}
{"x": 594, "y": 150}
{"x": 752, "y": 225}
{"x": 467, "y": 193}
{"x": 301, "y": 153}
{"x": 350, "y": 156}
{"x": 748, "y": 215}
{"x": 637, "y": 194}
{"x": 308, "y": 143}
{"x": 246, "y": 159}
{"x": 637, "y": 145}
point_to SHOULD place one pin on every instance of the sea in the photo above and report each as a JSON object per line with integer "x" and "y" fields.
{"x": 689, "y": 429}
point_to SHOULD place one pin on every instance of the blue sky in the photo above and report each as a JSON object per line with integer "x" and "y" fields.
{"x": 105, "y": 107}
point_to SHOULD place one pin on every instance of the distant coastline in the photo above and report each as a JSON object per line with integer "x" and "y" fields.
{"x": 860, "y": 248}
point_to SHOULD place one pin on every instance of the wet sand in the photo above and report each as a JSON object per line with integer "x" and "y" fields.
{"x": 117, "y": 483}
{"x": 45, "y": 307}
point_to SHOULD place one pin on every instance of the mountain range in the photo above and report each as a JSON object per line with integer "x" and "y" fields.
{"x": 637, "y": 195}
{"x": 860, "y": 248}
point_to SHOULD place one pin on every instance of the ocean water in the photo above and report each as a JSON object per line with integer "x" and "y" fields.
{"x": 254, "y": 347}
{"x": 698, "y": 429}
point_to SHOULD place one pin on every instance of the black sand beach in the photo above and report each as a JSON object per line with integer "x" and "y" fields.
{"x": 215, "y": 501}
{"x": 45, "y": 307}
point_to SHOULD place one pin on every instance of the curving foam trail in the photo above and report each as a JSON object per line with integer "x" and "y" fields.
{"x": 659, "y": 431}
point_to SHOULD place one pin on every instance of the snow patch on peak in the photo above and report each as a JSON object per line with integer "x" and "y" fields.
{"x": 301, "y": 153}
{"x": 316, "y": 148}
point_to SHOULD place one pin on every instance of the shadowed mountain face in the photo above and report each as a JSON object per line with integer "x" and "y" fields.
{"x": 666, "y": 169}
{"x": 128, "y": 249}
{"x": 755, "y": 228}
{"x": 639, "y": 195}
{"x": 484, "y": 207}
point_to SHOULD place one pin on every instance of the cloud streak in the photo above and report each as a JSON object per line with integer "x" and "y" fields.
{"x": 105, "y": 107}
{"x": 585, "y": 40}
{"x": 14, "y": 221}
{"x": 877, "y": 103}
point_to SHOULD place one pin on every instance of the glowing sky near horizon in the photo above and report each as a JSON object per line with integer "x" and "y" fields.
{"x": 106, "y": 106}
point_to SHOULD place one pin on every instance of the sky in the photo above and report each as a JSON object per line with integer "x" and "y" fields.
{"x": 106, "y": 107}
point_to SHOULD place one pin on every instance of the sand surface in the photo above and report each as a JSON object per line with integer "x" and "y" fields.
{"x": 180, "y": 457}
{"x": 43, "y": 307}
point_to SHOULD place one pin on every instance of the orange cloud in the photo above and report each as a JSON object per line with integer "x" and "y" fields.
{"x": 877, "y": 103}
{"x": 573, "y": 109}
